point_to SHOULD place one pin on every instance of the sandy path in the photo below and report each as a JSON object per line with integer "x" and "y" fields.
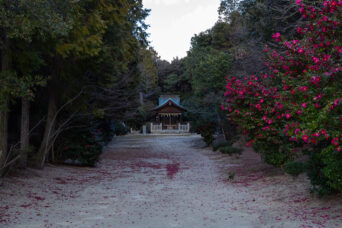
{"x": 161, "y": 182}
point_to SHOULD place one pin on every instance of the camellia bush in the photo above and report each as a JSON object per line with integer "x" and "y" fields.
{"x": 296, "y": 107}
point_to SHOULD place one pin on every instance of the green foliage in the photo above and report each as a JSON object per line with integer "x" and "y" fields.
{"x": 120, "y": 129}
{"x": 218, "y": 145}
{"x": 87, "y": 53}
{"x": 86, "y": 144}
{"x": 148, "y": 70}
{"x": 316, "y": 175}
{"x": 87, "y": 155}
{"x": 83, "y": 146}
{"x": 332, "y": 161}
{"x": 295, "y": 168}
{"x": 324, "y": 169}
{"x": 230, "y": 150}
{"x": 272, "y": 153}
{"x": 207, "y": 132}
{"x": 206, "y": 68}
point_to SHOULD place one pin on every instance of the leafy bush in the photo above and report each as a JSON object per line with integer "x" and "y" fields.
{"x": 315, "y": 173}
{"x": 324, "y": 169}
{"x": 218, "y": 145}
{"x": 83, "y": 146}
{"x": 86, "y": 155}
{"x": 295, "y": 168}
{"x": 272, "y": 153}
{"x": 230, "y": 150}
{"x": 121, "y": 129}
{"x": 207, "y": 132}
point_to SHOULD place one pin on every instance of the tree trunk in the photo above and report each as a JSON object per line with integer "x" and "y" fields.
{"x": 4, "y": 103}
{"x": 51, "y": 117}
{"x": 3, "y": 136}
{"x": 24, "y": 131}
{"x": 49, "y": 130}
{"x": 141, "y": 98}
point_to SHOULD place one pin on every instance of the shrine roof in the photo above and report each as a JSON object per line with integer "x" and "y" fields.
{"x": 165, "y": 99}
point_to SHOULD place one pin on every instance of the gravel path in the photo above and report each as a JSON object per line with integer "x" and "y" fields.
{"x": 162, "y": 182}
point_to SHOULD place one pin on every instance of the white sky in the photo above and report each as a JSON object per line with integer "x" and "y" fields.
{"x": 174, "y": 22}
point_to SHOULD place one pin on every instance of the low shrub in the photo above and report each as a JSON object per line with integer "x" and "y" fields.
{"x": 230, "y": 150}
{"x": 207, "y": 132}
{"x": 87, "y": 155}
{"x": 218, "y": 145}
{"x": 273, "y": 154}
{"x": 83, "y": 146}
{"x": 324, "y": 169}
{"x": 121, "y": 128}
{"x": 295, "y": 168}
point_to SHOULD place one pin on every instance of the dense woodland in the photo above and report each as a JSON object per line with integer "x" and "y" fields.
{"x": 76, "y": 73}
{"x": 70, "y": 76}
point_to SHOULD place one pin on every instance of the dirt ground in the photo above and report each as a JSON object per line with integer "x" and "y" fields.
{"x": 162, "y": 182}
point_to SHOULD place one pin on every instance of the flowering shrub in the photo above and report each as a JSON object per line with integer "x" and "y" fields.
{"x": 83, "y": 146}
{"x": 298, "y": 103}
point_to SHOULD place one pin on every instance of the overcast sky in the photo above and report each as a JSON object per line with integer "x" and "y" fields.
{"x": 174, "y": 22}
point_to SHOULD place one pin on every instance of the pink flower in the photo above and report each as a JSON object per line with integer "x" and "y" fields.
{"x": 298, "y": 2}
{"x": 315, "y": 59}
{"x": 288, "y": 115}
{"x": 250, "y": 143}
{"x": 297, "y": 131}
{"x": 304, "y": 88}
{"x": 304, "y": 105}
{"x": 323, "y": 132}
{"x": 276, "y": 36}
{"x": 258, "y": 106}
{"x": 305, "y": 138}
{"x": 336, "y": 102}
{"x": 269, "y": 121}
{"x": 222, "y": 107}
{"x": 319, "y": 96}
{"x": 334, "y": 141}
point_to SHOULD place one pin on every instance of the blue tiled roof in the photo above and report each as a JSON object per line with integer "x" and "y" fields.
{"x": 164, "y": 99}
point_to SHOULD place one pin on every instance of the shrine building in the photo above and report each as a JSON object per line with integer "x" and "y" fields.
{"x": 169, "y": 115}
